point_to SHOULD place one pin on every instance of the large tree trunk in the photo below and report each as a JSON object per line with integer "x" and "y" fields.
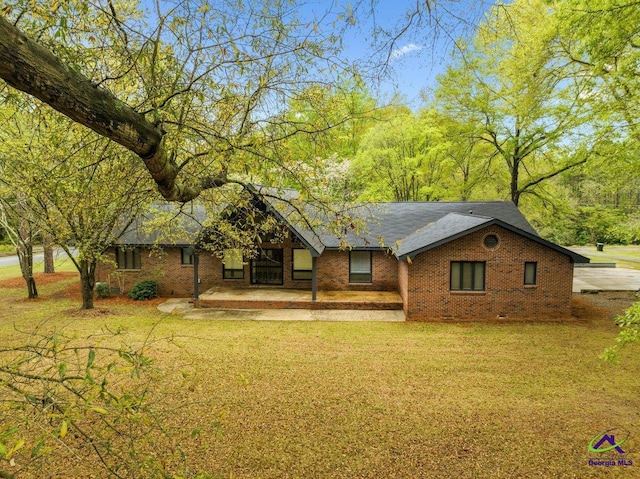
{"x": 25, "y": 258}
{"x": 49, "y": 266}
{"x": 513, "y": 188}
{"x": 31, "y": 68}
{"x": 88, "y": 282}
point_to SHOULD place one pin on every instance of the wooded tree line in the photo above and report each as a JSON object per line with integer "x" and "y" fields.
{"x": 539, "y": 107}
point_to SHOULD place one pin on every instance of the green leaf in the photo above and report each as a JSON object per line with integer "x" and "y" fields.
{"x": 19, "y": 445}
{"x": 99, "y": 410}
{"x": 9, "y": 432}
{"x": 64, "y": 428}
{"x": 39, "y": 446}
{"x": 91, "y": 358}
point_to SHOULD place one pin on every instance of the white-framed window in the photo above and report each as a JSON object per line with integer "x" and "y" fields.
{"x": 467, "y": 275}
{"x": 302, "y": 264}
{"x": 360, "y": 267}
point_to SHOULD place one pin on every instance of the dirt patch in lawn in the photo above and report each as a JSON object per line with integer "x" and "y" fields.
{"x": 41, "y": 279}
{"x": 74, "y": 293}
{"x": 63, "y": 288}
{"x": 124, "y": 300}
{"x": 595, "y": 306}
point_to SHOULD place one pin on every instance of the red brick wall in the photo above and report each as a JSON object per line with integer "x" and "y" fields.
{"x": 164, "y": 266}
{"x": 333, "y": 272}
{"x": 423, "y": 284}
{"x": 174, "y": 279}
{"x": 429, "y": 295}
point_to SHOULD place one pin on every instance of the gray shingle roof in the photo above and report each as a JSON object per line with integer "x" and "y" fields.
{"x": 413, "y": 227}
{"x": 393, "y": 222}
{"x": 166, "y": 224}
{"x": 406, "y": 228}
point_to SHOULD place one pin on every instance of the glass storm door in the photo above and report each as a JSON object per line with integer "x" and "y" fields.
{"x": 267, "y": 267}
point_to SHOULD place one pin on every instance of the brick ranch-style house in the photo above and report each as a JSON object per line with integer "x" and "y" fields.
{"x": 446, "y": 260}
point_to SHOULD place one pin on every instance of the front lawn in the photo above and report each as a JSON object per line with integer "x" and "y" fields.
{"x": 375, "y": 400}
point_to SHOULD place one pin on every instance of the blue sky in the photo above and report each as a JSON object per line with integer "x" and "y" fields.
{"x": 424, "y": 50}
{"x": 415, "y": 58}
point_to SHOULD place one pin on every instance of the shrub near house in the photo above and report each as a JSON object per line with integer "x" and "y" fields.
{"x": 145, "y": 289}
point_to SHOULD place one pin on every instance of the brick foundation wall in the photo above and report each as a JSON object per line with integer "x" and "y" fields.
{"x": 505, "y": 296}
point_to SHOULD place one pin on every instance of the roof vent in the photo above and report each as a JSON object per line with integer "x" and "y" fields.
{"x": 490, "y": 241}
{"x": 470, "y": 212}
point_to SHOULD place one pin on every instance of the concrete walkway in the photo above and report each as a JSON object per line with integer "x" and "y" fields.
{"x": 184, "y": 308}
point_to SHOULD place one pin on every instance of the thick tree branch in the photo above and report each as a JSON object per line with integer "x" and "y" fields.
{"x": 552, "y": 174}
{"x": 31, "y": 68}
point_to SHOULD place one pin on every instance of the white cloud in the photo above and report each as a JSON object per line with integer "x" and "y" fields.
{"x": 400, "y": 52}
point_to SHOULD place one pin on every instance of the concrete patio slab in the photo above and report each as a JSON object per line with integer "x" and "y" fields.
{"x": 184, "y": 307}
{"x": 605, "y": 279}
{"x": 283, "y": 294}
{"x": 283, "y": 298}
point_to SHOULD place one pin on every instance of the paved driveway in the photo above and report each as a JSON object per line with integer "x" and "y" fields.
{"x": 605, "y": 279}
{"x": 11, "y": 260}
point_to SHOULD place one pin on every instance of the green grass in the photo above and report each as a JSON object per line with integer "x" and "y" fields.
{"x": 629, "y": 251}
{"x": 613, "y": 254}
{"x": 373, "y": 400}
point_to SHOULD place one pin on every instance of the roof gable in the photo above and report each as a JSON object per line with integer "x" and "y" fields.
{"x": 282, "y": 204}
{"x": 454, "y": 226}
{"x": 447, "y": 228}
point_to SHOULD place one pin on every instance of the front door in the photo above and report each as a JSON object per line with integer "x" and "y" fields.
{"x": 267, "y": 267}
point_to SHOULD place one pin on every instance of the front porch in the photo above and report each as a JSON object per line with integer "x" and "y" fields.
{"x": 280, "y": 298}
